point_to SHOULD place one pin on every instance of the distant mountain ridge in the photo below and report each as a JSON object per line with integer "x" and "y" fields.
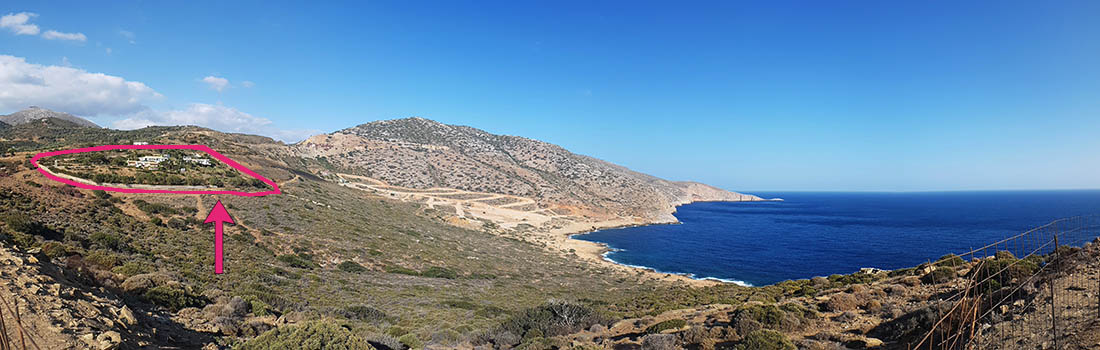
{"x": 421, "y": 153}
{"x": 34, "y": 113}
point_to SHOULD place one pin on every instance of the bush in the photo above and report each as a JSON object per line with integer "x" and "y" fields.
{"x": 659, "y": 342}
{"x": 841, "y": 302}
{"x": 178, "y": 224}
{"x": 402, "y": 270}
{"x": 411, "y": 341}
{"x": 386, "y": 341}
{"x": 259, "y": 307}
{"x": 351, "y": 266}
{"x": 173, "y": 298}
{"x": 665, "y": 325}
{"x": 939, "y": 275}
{"x": 363, "y": 313}
{"x": 317, "y": 335}
{"x": 765, "y": 339}
{"x": 101, "y": 259}
{"x": 439, "y": 272}
{"x": 132, "y": 268}
{"x": 108, "y": 241}
{"x": 950, "y": 260}
{"x": 552, "y": 319}
{"x": 154, "y": 208}
{"x": 55, "y": 250}
{"x": 296, "y": 260}
{"x": 22, "y": 224}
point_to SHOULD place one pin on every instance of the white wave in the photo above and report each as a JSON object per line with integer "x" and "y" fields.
{"x": 689, "y": 275}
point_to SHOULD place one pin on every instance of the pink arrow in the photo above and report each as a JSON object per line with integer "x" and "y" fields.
{"x": 218, "y": 215}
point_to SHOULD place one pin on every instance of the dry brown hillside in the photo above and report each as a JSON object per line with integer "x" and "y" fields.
{"x": 420, "y": 154}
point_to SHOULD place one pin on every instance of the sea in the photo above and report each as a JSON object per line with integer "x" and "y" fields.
{"x": 823, "y": 233}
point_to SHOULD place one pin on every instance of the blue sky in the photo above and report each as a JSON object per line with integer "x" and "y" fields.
{"x": 862, "y": 95}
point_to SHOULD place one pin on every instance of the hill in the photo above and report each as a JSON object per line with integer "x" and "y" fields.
{"x": 419, "y": 153}
{"x": 34, "y": 113}
{"x": 380, "y": 267}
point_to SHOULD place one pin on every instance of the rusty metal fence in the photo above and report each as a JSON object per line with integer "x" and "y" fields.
{"x": 13, "y": 335}
{"x": 1036, "y": 290}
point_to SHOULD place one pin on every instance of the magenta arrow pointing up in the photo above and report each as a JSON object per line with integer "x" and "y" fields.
{"x": 218, "y": 215}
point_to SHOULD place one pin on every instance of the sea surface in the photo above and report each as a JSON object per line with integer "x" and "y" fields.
{"x": 822, "y": 233}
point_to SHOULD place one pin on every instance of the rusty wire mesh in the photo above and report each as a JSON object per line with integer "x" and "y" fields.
{"x": 1036, "y": 290}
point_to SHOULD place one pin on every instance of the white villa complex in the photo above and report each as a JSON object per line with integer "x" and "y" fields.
{"x": 197, "y": 159}
{"x": 153, "y": 162}
{"x": 149, "y": 162}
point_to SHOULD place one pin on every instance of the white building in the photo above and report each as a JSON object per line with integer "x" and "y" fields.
{"x": 197, "y": 160}
{"x": 149, "y": 162}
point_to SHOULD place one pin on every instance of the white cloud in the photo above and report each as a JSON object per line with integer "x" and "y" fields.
{"x": 68, "y": 89}
{"x": 221, "y": 118}
{"x": 216, "y": 83}
{"x": 17, "y": 23}
{"x": 128, "y": 35}
{"x": 56, "y": 35}
{"x": 247, "y": 84}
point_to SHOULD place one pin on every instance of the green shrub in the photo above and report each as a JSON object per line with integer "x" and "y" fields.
{"x": 402, "y": 270}
{"x": 439, "y": 272}
{"x": 411, "y": 341}
{"x": 22, "y": 224}
{"x": 351, "y": 266}
{"x": 363, "y": 313}
{"x": 552, "y": 319}
{"x": 132, "y": 268}
{"x": 460, "y": 304}
{"x": 173, "y": 298}
{"x": 317, "y": 335}
{"x": 666, "y": 325}
{"x": 102, "y": 259}
{"x": 296, "y": 260}
{"x": 939, "y": 275}
{"x": 769, "y": 315}
{"x": 108, "y": 241}
{"x": 397, "y": 331}
{"x": 55, "y": 250}
{"x": 154, "y": 208}
{"x": 765, "y": 339}
{"x": 259, "y": 307}
{"x": 178, "y": 224}
{"x": 950, "y": 260}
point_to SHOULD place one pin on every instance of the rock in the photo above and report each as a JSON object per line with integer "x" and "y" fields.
{"x": 109, "y": 340}
{"x": 863, "y": 343}
{"x": 127, "y": 317}
{"x": 88, "y": 339}
{"x": 139, "y": 283}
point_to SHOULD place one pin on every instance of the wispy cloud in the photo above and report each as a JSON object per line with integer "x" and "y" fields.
{"x": 18, "y": 23}
{"x": 218, "y": 84}
{"x": 69, "y": 89}
{"x": 247, "y": 84}
{"x": 130, "y": 36}
{"x": 74, "y": 90}
{"x": 56, "y": 35}
{"x": 217, "y": 117}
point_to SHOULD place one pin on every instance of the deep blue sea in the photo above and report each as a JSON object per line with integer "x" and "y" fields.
{"x": 823, "y": 233}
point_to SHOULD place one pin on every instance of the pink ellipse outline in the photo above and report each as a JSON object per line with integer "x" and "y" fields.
{"x": 208, "y": 150}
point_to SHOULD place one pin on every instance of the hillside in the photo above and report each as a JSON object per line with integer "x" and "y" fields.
{"x": 367, "y": 263}
{"x": 381, "y": 268}
{"x": 34, "y": 113}
{"x": 419, "y": 153}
